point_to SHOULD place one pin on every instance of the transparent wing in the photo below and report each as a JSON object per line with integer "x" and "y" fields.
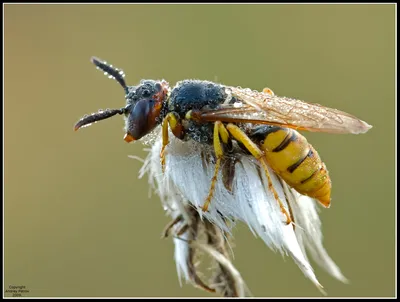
{"x": 262, "y": 108}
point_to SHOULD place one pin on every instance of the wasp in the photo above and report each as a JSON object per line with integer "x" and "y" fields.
{"x": 261, "y": 123}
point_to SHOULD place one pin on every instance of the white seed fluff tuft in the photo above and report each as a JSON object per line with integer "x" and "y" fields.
{"x": 187, "y": 181}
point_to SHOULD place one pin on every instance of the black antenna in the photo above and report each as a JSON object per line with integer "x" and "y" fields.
{"x": 112, "y": 72}
{"x": 98, "y": 116}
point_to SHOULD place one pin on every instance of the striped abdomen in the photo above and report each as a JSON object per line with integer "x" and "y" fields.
{"x": 296, "y": 162}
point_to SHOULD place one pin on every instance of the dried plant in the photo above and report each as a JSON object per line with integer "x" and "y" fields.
{"x": 241, "y": 195}
{"x": 203, "y": 236}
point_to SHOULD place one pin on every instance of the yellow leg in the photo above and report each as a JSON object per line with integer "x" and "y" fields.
{"x": 165, "y": 141}
{"x": 220, "y": 133}
{"x": 171, "y": 120}
{"x": 240, "y": 136}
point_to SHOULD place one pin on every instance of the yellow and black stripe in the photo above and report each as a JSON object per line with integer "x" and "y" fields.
{"x": 295, "y": 161}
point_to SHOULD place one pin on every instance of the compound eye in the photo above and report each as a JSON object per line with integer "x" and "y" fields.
{"x": 158, "y": 86}
{"x": 140, "y": 120}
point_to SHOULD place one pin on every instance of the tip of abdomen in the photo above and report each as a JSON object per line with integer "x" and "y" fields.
{"x": 325, "y": 200}
{"x": 323, "y": 195}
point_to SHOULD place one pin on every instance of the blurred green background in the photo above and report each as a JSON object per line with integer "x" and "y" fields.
{"x": 78, "y": 221}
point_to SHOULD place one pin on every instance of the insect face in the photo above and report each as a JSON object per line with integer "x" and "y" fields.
{"x": 143, "y": 108}
{"x": 144, "y": 103}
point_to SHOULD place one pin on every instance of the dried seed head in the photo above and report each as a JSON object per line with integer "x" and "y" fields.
{"x": 183, "y": 188}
